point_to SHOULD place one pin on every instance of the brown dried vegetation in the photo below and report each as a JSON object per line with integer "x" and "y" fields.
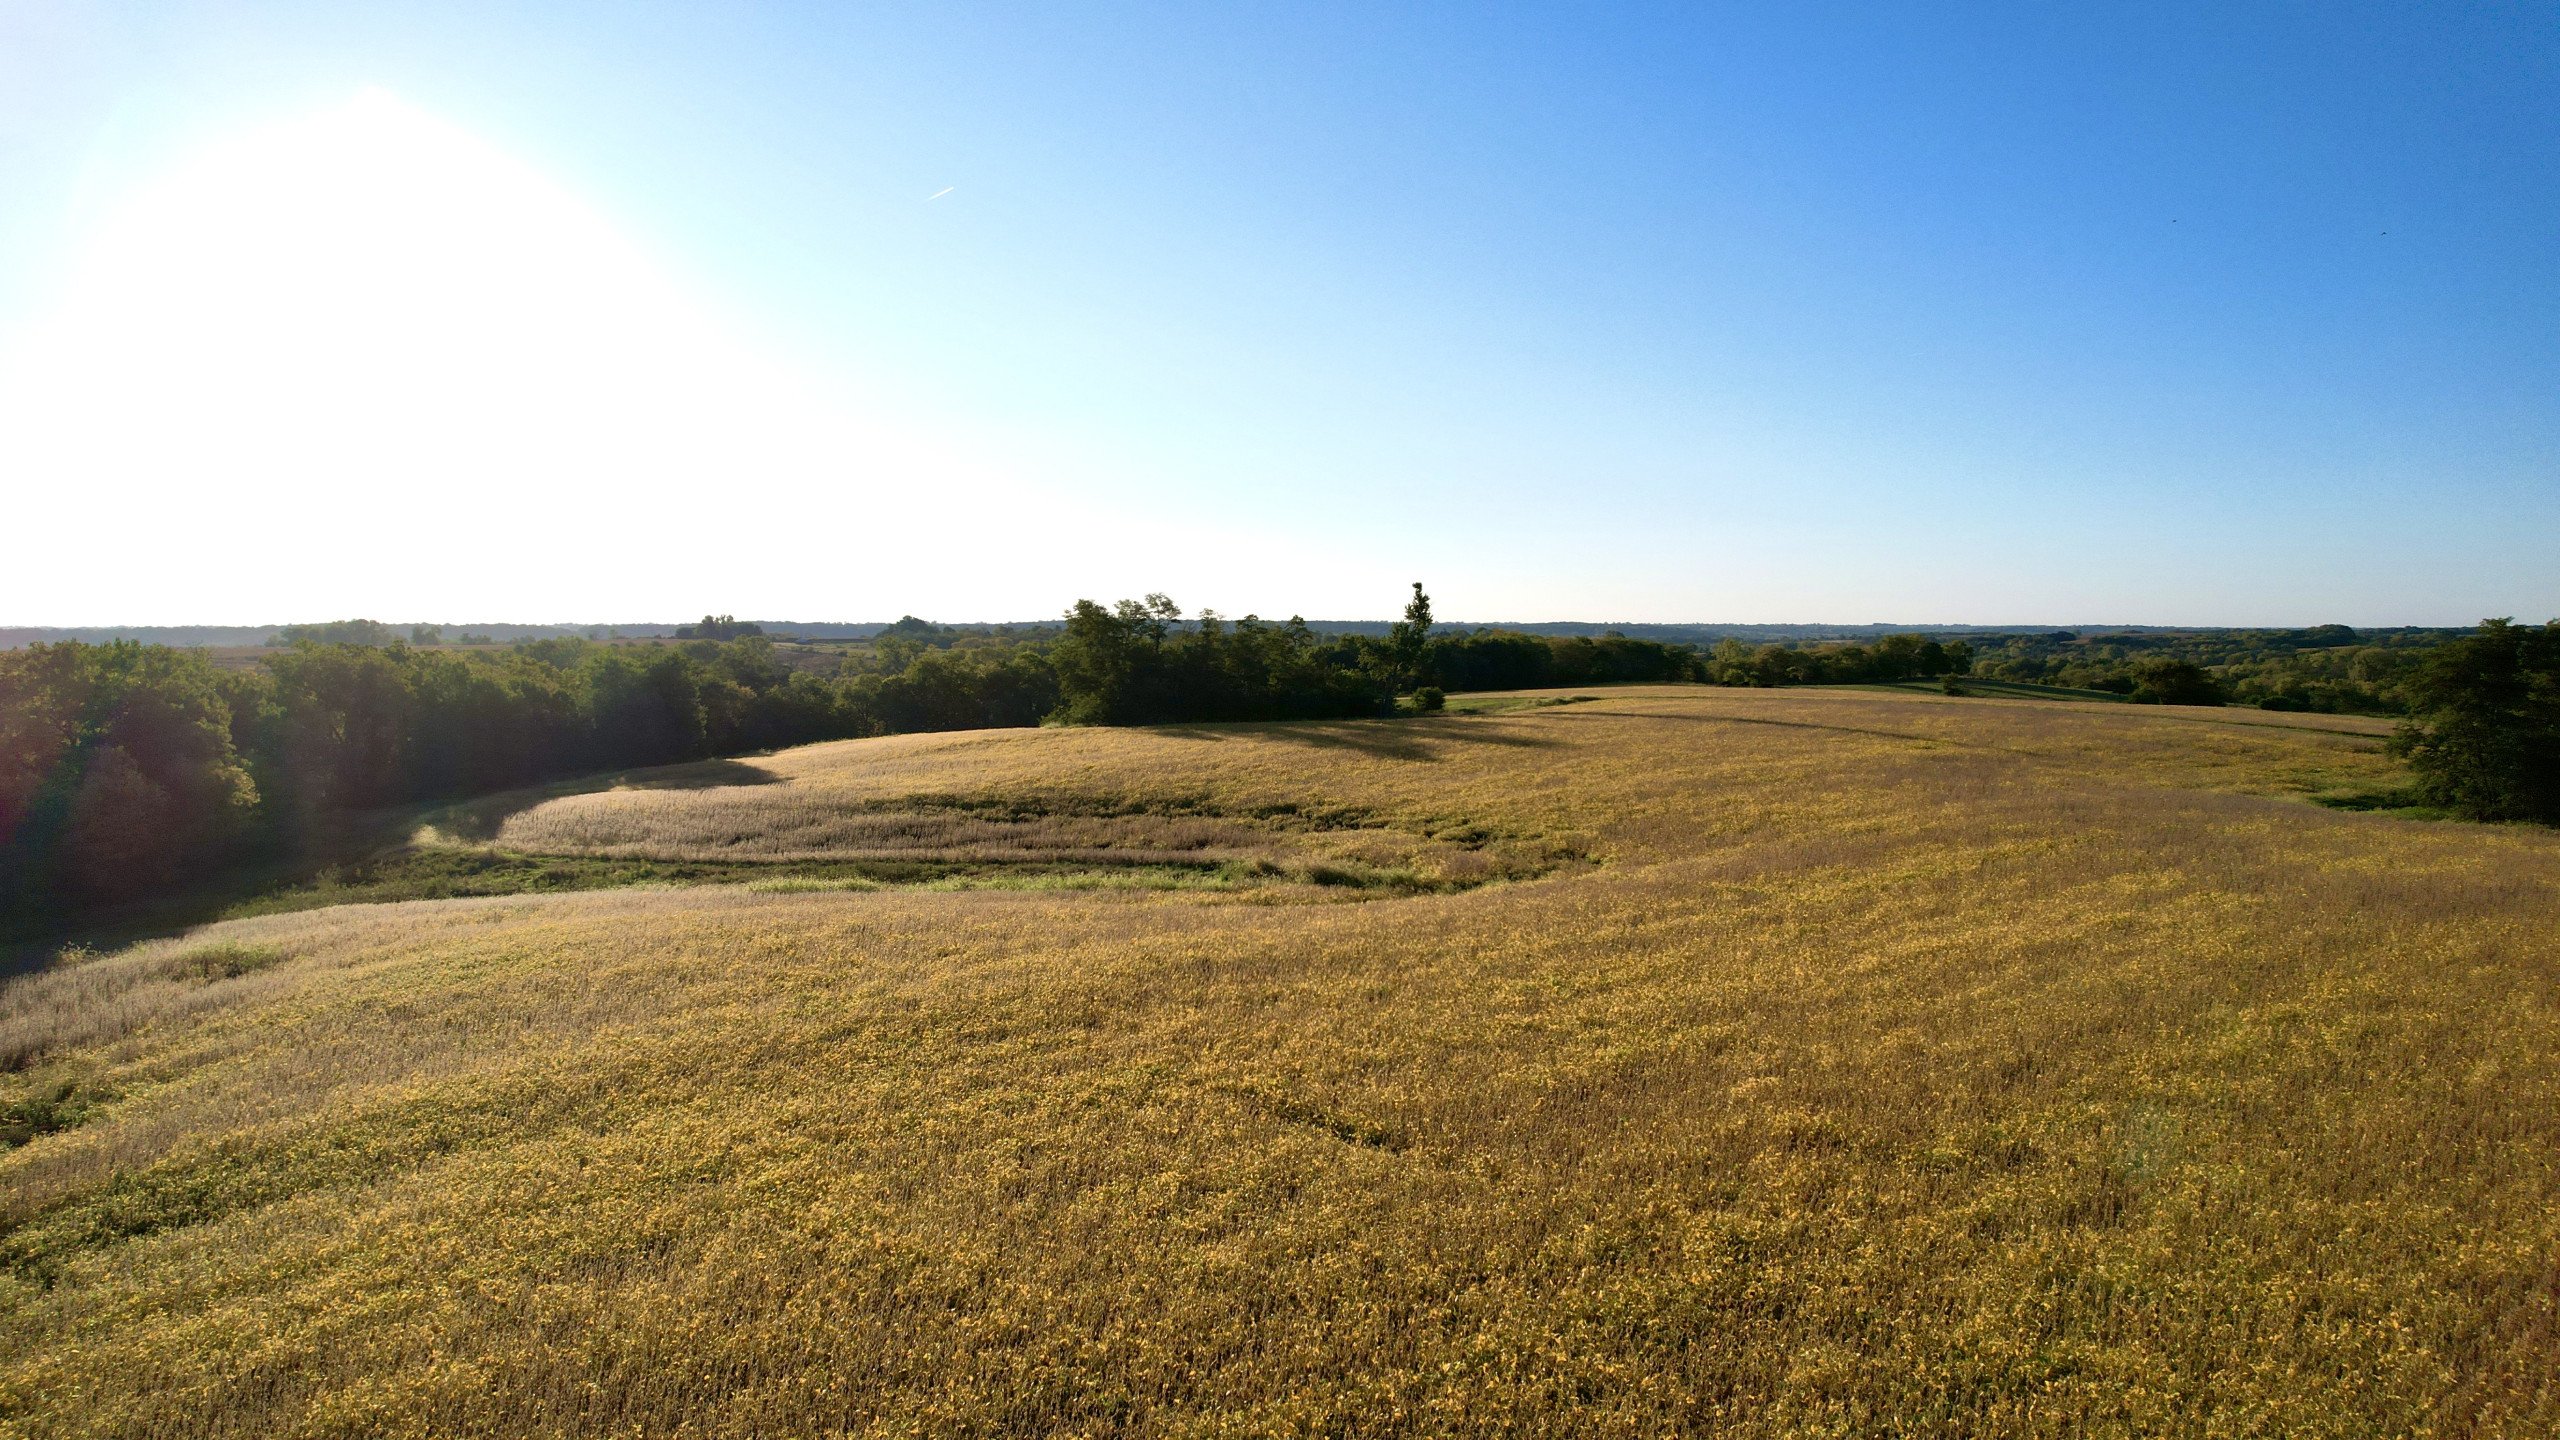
{"x": 1887, "y": 1065}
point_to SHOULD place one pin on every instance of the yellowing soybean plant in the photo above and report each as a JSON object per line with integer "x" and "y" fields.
{"x": 1674, "y": 1061}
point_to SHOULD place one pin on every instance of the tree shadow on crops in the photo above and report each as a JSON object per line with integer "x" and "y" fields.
{"x": 481, "y": 818}
{"x": 347, "y": 840}
{"x": 1764, "y": 720}
{"x": 1423, "y": 738}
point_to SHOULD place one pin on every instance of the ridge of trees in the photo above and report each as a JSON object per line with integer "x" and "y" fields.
{"x": 127, "y": 766}
{"x": 719, "y": 627}
{"x": 2325, "y": 668}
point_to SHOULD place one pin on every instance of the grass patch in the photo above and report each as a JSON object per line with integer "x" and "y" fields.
{"x": 2405, "y": 800}
{"x": 1042, "y": 878}
{"x": 1505, "y": 704}
{"x": 1013, "y": 839}
{"x": 86, "y": 998}
{"x": 436, "y": 872}
{"x": 1026, "y": 808}
{"x": 1351, "y": 875}
{"x": 812, "y": 885}
{"x": 47, "y": 1110}
{"x": 439, "y": 873}
{"x": 1349, "y": 1129}
{"x": 1135, "y": 877}
{"x": 225, "y": 961}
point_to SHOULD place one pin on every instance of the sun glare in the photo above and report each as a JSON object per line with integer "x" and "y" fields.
{"x": 372, "y": 325}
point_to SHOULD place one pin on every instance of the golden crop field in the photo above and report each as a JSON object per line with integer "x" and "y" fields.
{"x": 1677, "y": 1061}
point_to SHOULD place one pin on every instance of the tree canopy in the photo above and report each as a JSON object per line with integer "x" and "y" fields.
{"x": 2484, "y": 732}
{"x": 125, "y": 766}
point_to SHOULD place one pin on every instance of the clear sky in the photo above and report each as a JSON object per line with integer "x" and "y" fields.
{"x": 2216, "y": 314}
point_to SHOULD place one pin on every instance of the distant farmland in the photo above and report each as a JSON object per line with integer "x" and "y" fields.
{"x": 1816, "y": 1061}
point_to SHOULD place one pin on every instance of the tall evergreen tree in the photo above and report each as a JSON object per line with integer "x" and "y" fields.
{"x": 1407, "y": 637}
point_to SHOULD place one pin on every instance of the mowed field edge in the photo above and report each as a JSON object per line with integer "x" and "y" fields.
{"x": 1804, "y": 1063}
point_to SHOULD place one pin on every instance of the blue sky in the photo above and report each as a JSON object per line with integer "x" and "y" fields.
{"x": 2229, "y": 314}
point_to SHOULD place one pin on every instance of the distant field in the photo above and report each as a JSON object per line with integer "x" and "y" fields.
{"x": 1816, "y": 1061}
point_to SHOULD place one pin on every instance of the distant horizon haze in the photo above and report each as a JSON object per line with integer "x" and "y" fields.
{"x": 510, "y": 631}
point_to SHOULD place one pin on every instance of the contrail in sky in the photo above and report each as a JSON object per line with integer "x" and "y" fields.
{"x": 945, "y": 190}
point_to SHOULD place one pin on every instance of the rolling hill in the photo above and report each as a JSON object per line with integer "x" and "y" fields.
{"x": 1797, "y": 1062}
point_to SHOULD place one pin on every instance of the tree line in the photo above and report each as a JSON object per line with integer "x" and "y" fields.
{"x": 2331, "y": 669}
{"x": 1894, "y": 657}
{"x": 126, "y": 766}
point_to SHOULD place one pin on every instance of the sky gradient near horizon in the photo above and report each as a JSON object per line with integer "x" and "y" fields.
{"x": 1971, "y": 313}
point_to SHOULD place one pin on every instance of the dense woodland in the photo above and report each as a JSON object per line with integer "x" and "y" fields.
{"x": 2326, "y": 668}
{"x": 125, "y": 767}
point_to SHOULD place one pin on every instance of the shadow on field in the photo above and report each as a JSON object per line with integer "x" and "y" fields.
{"x": 353, "y": 841}
{"x": 1414, "y": 739}
{"x": 1764, "y": 720}
{"x": 480, "y": 819}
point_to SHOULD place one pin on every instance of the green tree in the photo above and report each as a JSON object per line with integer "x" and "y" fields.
{"x": 645, "y": 707}
{"x": 1407, "y": 637}
{"x": 1110, "y": 662}
{"x": 1895, "y": 657}
{"x": 117, "y": 769}
{"x": 719, "y": 627}
{"x": 2159, "y": 680}
{"x": 2484, "y": 735}
{"x": 345, "y": 728}
{"x": 337, "y": 632}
